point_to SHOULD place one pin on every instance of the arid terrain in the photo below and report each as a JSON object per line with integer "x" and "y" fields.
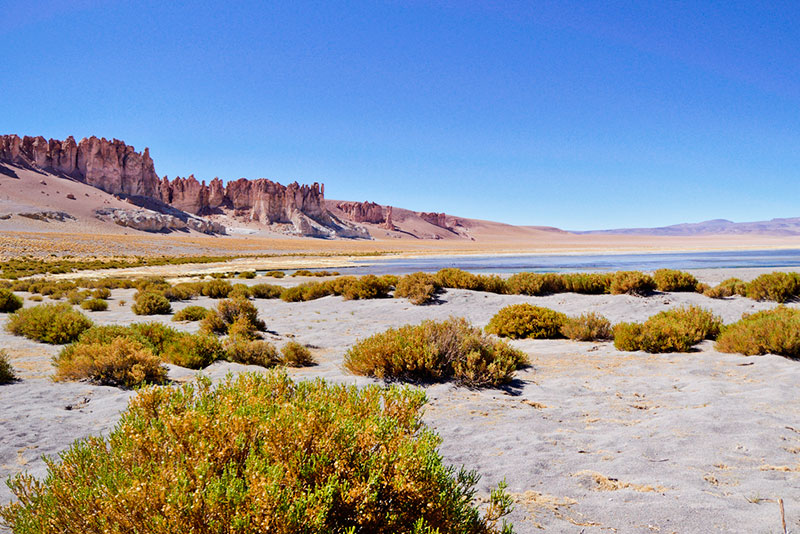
{"x": 589, "y": 438}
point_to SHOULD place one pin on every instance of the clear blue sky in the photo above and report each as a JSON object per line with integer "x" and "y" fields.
{"x": 581, "y": 115}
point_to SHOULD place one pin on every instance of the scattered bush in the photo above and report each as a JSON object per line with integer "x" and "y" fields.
{"x": 588, "y": 327}
{"x": 419, "y": 288}
{"x": 780, "y": 287}
{"x": 9, "y": 302}
{"x": 259, "y": 453}
{"x": 183, "y": 291}
{"x": 239, "y": 291}
{"x": 190, "y": 313}
{"x": 306, "y": 291}
{"x": 727, "y": 288}
{"x": 587, "y": 283}
{"x": 247, "y": 275}
{"x": 366, "y": 287}
{"x": 7, "y": 374}
{"x": 535, "y": 284}
{"x": 193, "y": 351}
{"x": 266, "y": 291}
{"x": 216, "y": 289}
{"x": 122, "y": 362}
{"x": 151, "y": 304}
{"x": 101, "y": 293}
{"x": 228, "y": 311}
{"x": 36, "y": 298}
{"x": 631, "y": 283}
{"x": 675, "y": 330}
{"x": 275, "y": 274}
{"x": 526, "y": 320}
{"x": 296, "y": 355}
{"x": 49, "y": 323}
{"x": 94, "y": 305}
{"x": 674, "y": 280}
{"x": 436, "y": 351}
{"x": 458, "y": 279}
{"x": 252, "y": 352}
{"x": 774, "y": 331}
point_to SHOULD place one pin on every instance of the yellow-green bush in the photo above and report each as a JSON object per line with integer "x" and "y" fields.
{"x": 275, "y": 274}
{"x": 183, "y": 291}
{"x": 94, "y": 305}
{"x": 306, "y": 291}
{"x": 774, "y": 331}
{"x": 675, "y": 330}
{"x": 9, "y": 302}
{"x": 190, "y": 313}
{"x": 457, "y": 279}
{"x": 258, "y": 453}
{"x": 252, "y": 352}
{"x": 247, "y": 275}
{"x": 216, "y": 289}
{"x": 419, "y": 288}
{"x": 365, "y": 287}
{"x": 674, "y": 280}
{"x": 535, "y": 284}
{"x": 122, "y": 362}
{"x": 780, "y": 287}
{"x": 436, "y": 351}
{"x": 631, "y": 283}
{"x": 266, "y": 291}
{"x": 7, "y": 374}
{"x": 587, "y": 327}
{"x": 49, "y": 323}
{"x": 587, "y": 283}
{"x": 228, "y": 311}
{"x": 193, "y": 351}
{"x": 151, "y": 303}
{"x": 727, "y": 288}
{"x": 525, "y": 320}
{"x": 101, "y": 293}
{"x": 76, "y": 297}
{"x": 295, "y": 354}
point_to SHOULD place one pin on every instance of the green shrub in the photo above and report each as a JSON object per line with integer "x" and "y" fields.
{"x": 190, "y": 313}
{"x": 780, "y": 287}
{"x": 365, "y": 287}
{"x": 675, "y": 330}
{"x": 674, "y": 280}
{"x": 275, "y": 274}
{"x": 535, "y": 284}
{"x": 183, "y": 291}
{"x": 122, "y": 362}
{"x": 7, "y": 374}
{"x": 306, "y": 291}
{"x": 151, "y": 304}
{"x": 193, "y": 351}
{"x": 419, "y": 288}
{"x": 101, "y": 293}
{"x": 75, "y": 297}
{"x": 155, "y": 335}
{"x": 94, "y": 305}
{"x": 49, "y": 323}
{"x": 219, "y": 320}
{"x": 252, "y": 352}
{"x": 9, "y": 302}
{"x": 258, "y": 453}
{"x": 457, "y": 279}
{"x": 588, "y": 327}
{"x": 587, "y": 283}
{"x": 36, "y": 298}
{"x": 266, "y": 291}
{"x": 296, "y": 355}
{"x": 775, "y": 331}
{"x": 727, "y": 288}
{"x": 631, "y": 283}
{"x": 216, "y": 289}
{"x": 239, "y": 291}
{"x": 436, "y": 351}
{"x": 526, "y": 320}
{"x": 247, "y": 275}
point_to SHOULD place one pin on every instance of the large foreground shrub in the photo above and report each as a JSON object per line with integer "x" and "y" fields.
{"x": 258, "y": 453}
{"x": 435, "y": 351}
{"x": 525, "y": 320}
{"x": 6, "y": 371}
{"x": 772, "y": 331}
{"x": 9, "y": 302}
{"x": 675, "y": 330}
{"x": 49, "y": 323}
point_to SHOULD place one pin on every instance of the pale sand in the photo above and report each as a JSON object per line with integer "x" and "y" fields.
{"x": 589, "y": 439}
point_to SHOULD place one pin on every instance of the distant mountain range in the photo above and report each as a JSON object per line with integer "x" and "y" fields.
{"x": 787, "y": 226}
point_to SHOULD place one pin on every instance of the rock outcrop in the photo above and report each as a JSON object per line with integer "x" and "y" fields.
{"x": 363, "y": 212}
{"x": 436, "y": 219}
{"x": 151, "y": 221}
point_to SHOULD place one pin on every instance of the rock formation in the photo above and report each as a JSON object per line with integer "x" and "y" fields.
{"x": 361, "y": 212}
{"x": 151, "y": 221}
{"x": 436, "y": 219}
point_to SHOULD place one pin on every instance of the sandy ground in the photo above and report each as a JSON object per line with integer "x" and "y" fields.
{"x": 589, "y": 439}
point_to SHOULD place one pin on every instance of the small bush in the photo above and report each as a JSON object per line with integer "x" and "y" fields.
{"x": 9, "y": 302}
{"x": 151, "y": 304}
{"x": 193, "y": 351}
{"x": 306, "y": 291}
{"x": 275, "y": 274}
{"x": 216, "y": 289}
{"x": 239, "y": 291}
{"x": 526, "y": 320}
{"x": 774, "y": 331}
{"x": 101, "y": 293}
{"x": 587, "y": 327}
{"x": 587, "y": 283}
{"x": 433, "y": 352}
{"x": 727, "y": 288}
{"x": 122, "y": 362}
{"x": 259, "y": 453}
{"x": 183, "y": 291}
{"x": 228, "y": 311}
{"x": 75, "y": 297}
{"x": 94, "y": 305}
{"x": 418, "y": 288}
{"x": 779, "y": 287}
{"x": 674, "y": 280}
{"x": 252, "y": 352}
{"x": 7, "y": 374}
{"x": 535, "y": 284}
{"x": 190, "y": 313}
{"x": 631, "y": 283}
{"x": 266, "y": 291}
{"x": 675, "y": 330}
{"x": 296, "y": 355}
{"x": 49, "y": 323}
{"x": 36, "y": 298}
{"x": 458, "y": 279}
{"x": 366, "y": 287}
{"x": 247, "y": 275}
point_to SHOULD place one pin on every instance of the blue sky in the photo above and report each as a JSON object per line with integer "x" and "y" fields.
{"x": 581, "y": 115}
